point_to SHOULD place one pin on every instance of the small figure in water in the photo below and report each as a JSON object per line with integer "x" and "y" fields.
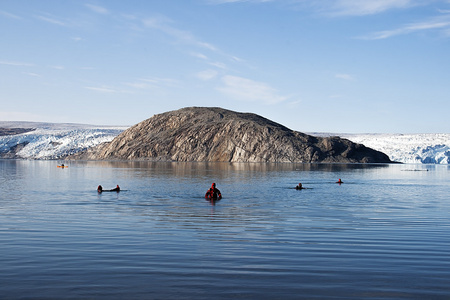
{"x": 213, "y": 193}
{"x": 100, "y": 189}
{"x": 339, "y": 181}
{"x": 299, "y": 187}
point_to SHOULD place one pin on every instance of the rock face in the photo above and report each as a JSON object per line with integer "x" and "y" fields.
{"x": 216, "y": 134}
{"x": 12, "y": 152}
{"x": 14, "y": 131}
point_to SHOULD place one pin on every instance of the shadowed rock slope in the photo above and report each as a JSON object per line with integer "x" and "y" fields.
{"x": 216, "y": 134}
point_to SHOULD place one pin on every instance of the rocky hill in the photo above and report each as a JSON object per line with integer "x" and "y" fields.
{"x": 216, "y": 134}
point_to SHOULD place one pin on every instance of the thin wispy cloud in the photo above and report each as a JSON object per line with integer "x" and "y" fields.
{"x": 294, "y": 104}
{"x": 207, "y": 75}
{"x": 439, "y": 23}
{"x": 249, "y": 90}
{"x": 338, "y": 7}
{"x": 236, "y": 1}
{"x": 163, "y": 24}
{"x": 32, "y": 74}
{"x": 139, "y": 85}
{"x": 166, "y": 25}
{"x": 57, "y": 67}
{"x": 98, "y": 9}
{"x": 344, "y": 76}
{"x": 199, "y": 55}
{"x": 51, "y": 20}
{"x": 102, "y": 89}
{"x": 162, "y": 81}
{"x": 9, "y": 15}
{"x": 366, "y": 7}
{"x": 15, "y": 63}
{"x": 218, "y": 65}
{"x": 236, "y": 59}
{"x": 352, "y": 8}
{"x": 152, "y": 83}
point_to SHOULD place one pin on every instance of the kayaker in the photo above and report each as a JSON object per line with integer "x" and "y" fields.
{"x": 99, "y": 189}
{"x": 339, "y": 181}
{"x": 116, "y": 189}
{"x": 213, "y": 193}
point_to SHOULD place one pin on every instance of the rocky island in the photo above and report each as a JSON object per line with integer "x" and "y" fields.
{"x": 220, "y": 135}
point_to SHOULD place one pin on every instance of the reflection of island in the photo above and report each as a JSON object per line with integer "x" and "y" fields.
{"x": 218, "y": 135}
{"x": 219, "y": 169}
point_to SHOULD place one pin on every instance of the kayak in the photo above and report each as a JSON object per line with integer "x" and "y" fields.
{"x": 62, "y": 167}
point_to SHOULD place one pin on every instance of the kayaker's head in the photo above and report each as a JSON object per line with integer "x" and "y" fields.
{"x": 213, "y": 185}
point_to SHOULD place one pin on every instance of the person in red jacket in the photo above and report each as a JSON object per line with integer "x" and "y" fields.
{"x": 213, "y": 193}
{"x": 299, "y": 187}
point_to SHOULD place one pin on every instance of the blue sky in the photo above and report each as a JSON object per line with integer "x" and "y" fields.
{"x": 327, "y": 66}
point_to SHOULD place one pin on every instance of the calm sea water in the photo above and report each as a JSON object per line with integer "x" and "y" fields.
{"x": 383, "y": 234}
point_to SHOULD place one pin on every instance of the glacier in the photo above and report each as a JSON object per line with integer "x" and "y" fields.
{"x": 420, "y": 148}
{"x": 425, "y": 148}
{"x": 49, "y": 141}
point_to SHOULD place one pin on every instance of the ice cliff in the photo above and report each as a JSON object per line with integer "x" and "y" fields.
{"x": 408, "y": 148}
{"x": 51, "y": 141}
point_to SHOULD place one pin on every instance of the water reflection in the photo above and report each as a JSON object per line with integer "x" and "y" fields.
{"x": 212, "y": 201}
{"x": 189, "y": 167}
{"x": 383, "y": 232}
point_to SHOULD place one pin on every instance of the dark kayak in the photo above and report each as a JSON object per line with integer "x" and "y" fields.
{"x": 113, "y": 190}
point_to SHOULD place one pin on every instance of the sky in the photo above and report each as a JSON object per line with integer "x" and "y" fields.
{"x": 340, "y": 66}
